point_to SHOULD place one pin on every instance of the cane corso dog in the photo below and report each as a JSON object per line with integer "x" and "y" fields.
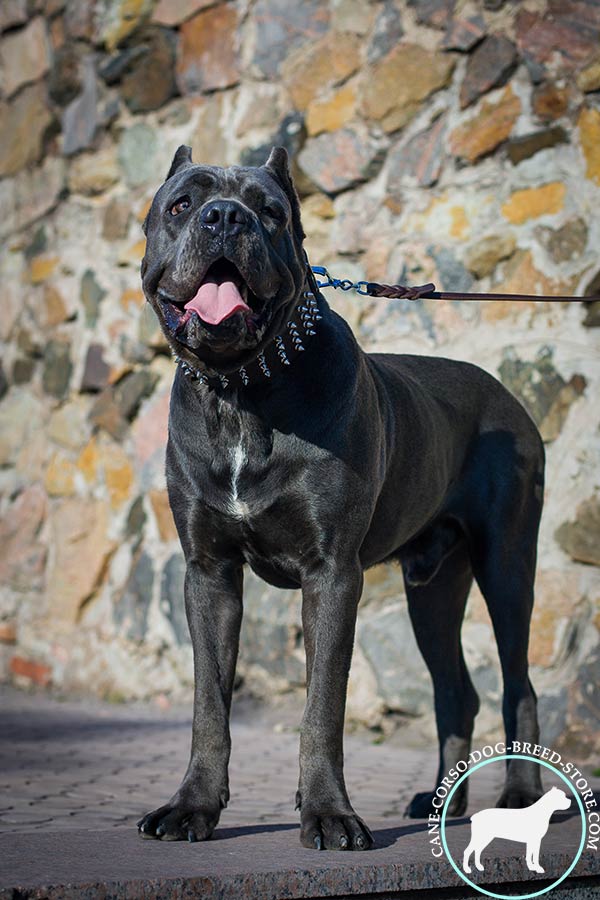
{"x": 293, "y": 451}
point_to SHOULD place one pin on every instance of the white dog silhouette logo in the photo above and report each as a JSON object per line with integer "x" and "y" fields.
{"x": 528, "y": 825}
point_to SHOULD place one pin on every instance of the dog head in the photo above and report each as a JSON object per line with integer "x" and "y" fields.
{"x": 560, "y": 799}
{"x": 224, "y": 265}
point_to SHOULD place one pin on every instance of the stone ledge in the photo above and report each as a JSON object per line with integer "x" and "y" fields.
{"x": 267, "y": 862}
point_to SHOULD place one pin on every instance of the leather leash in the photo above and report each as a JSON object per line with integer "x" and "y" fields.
{"x": 428, "y": 291}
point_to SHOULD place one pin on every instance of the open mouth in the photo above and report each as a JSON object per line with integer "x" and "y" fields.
{"x": 222, "y": 293}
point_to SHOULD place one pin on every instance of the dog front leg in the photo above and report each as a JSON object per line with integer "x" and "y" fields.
{"x": 213, "y": 601}
{"x": 329, "y": 606}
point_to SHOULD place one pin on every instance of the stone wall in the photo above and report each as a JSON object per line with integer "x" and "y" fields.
{"x": 432, "y": 140}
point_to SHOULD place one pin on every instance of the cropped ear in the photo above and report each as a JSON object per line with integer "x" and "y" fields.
{"x": 181, "y": 160}
{"x": 279, "y": 167}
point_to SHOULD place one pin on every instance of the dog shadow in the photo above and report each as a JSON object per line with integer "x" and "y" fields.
{"x": 383, "y": 837}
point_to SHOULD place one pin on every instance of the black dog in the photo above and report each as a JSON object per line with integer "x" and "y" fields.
{"x": 292, "y": 450}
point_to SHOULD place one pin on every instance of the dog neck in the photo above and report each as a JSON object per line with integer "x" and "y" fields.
{"x": 278, "y": 354}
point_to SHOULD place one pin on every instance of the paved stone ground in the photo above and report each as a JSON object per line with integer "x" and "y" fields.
{"x": 75, "y": 777}
{"x": 77, "y": 765}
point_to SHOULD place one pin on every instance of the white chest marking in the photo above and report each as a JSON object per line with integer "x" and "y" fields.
{"x": 239, "y": 458}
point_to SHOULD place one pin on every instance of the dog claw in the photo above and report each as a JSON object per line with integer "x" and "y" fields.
{"x": 317, "y": 842}
{"x": 360, "y": 842}
{"x": 343, "y": 842}
{"x": 191, "y": 836}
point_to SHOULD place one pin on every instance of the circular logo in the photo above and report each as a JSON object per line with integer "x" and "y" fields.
{"x": 485, "y": 827}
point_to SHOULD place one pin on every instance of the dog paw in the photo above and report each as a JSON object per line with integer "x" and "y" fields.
{"x": 334, "y": 832}
{"x": 517, "y": 798}
{"x": 421, "y": 805}
{"x": 178, "y": 822}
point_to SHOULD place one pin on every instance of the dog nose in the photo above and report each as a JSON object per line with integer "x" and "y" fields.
{"x": 224, "y": 217}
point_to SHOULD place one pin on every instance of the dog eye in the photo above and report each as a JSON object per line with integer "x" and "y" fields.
{"x": 180, "y": 205}
{"x": 272, "y": 211}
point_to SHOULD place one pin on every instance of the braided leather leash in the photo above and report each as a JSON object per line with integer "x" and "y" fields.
{"x": 428, "y": 291}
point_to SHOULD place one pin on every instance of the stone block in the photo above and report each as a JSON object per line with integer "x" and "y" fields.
{"x": 31, "y": 671}
{"x": 207, "y": 58}
{"x": 388, "y": 643}
{"x": 24, "y": 55}
{"x": 95, "y": 370}
{"x": 489, "y": 66}
{"x": 280, "y": 27}
{"x": 541, "y": 389}
{"x": 391, "y": 91}
{"x": 308, "y": 73}
{"x": 25, "y": 121}
{"x": 589, "y": 135}
{"x": 78, "y": 566}
{"x": 464, "y": 34}
{"x": 487, "y": 129}
{"x": 527, "y": 145}
{"x": 483, "y": 257}
{"x": 580, "y": 538}
{"x": 149, "y": 82}
{"x": 337, "y": 161}
{"x": 159, "y": 501}
{"x": 94, "y": 173}
{"x": 131, "y": 609}
{"x": 531, "y": 203}
{"x": 172, "y": 602}
{"x": 91, "y": 295}
{"x": 23, "y": 554}
{"x": 173, "y": 12}
{"x": 58, "y": 368}
{"x": 117, "y": 20}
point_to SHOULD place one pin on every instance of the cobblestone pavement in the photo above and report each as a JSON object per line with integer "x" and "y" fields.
{"x": 76, "y": 776}
{"x": 85, "y": 765}
{"x": 81, "y": 765}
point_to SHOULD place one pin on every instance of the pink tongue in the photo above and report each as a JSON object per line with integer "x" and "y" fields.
{"x": 216, "y": 302}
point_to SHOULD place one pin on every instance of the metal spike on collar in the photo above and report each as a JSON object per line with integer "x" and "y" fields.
{"x": 296, "y": 341}
{"x": 281, "y": 350}
{"x": 263, "y": 365}
{"x": 307, "y": 322}
{"x": 314, "y": 308}
{"x": 243, "y": 375}
{"x": 224, "y": 380}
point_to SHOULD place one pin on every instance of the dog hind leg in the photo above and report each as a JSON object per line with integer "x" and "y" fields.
{"x": 436, "y": 610}
{"x": 467, "y": 855}
{"x": 503, "y": 550}
{"x": 478, "y": 851}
